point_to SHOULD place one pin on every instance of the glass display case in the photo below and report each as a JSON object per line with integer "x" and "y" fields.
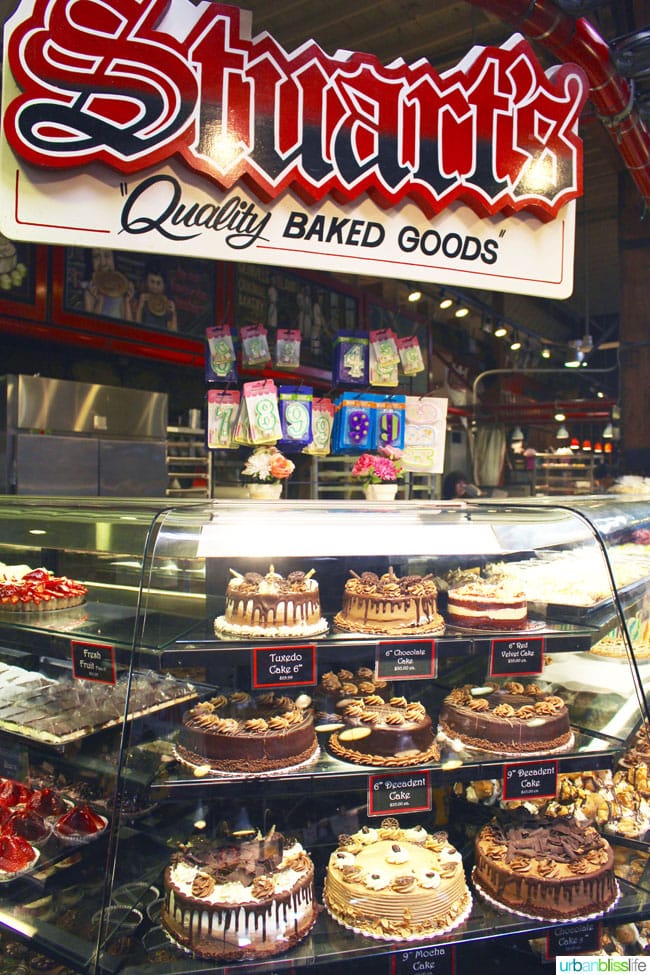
{"x": 113, "y": 705}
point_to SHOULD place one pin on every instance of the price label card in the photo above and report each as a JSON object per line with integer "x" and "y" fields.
{"x": 408, "y": 660}
{"x": 520, "y": 657}
{"x": 400, "y": 792}
{"x": 573, "y": 939}
{"x": 440, "y": 960}
{"x": 284, "y": 666}
{"x": 93, "y": 661}
{"x": 530, "y": 780}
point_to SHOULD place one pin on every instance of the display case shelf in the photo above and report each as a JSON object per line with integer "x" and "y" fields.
{"x": 157, "y": 578}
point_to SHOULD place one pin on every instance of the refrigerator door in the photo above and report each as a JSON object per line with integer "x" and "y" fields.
{"x": 132, "y": 469}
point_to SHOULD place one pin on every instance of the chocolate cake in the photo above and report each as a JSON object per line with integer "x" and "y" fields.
{"x": 245, "y": 734}
{"x": 271, "y": 606}
{"x": 392, "y": 733}
{"x": 237, "y": 898}
{"x": 553, "y": 869}
{"x": 513, "y": 719}
{"x": 389, "y": 605}
{"x": 346, "y": 685}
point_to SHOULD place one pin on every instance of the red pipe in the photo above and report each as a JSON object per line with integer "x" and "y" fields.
{"x": 577, "y": 41}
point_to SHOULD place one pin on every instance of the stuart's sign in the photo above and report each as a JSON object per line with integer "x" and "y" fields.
{"x": 156, "y": 126}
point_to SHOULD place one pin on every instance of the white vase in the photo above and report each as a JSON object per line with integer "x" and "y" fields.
{"x": 380, "y": 492}
{"x": 259, "y": 491}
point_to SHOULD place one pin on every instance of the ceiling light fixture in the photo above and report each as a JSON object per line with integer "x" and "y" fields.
{"x": 517, "y": 434}
{"x": 461, "y": 312}
{"x": 501, "y": 331}
{"x": 560, "y": 417}
{"x": 586, "y": 445}
{"x": 608, "y": 432}
{"x": 546, "y": 353}
{"x": 414, "y": 294}
{"x": 562, "y": 433}
{"x": 445, "y": 301}
{"x": 515, "y": 344}
{"x": 598, "y": 447}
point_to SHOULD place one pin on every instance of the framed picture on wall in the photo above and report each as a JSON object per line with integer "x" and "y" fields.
{"x": 168, "y": 294}
{"x": 23, "y": 279}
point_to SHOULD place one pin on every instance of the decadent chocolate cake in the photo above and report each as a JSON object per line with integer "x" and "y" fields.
{"x": 554, "y": 869}
{"x": 392, "y": 733}
{"x": 513, "y": 719}
{"x": 389, "y": 605}
{"x": 244, "y": 734}
{"x": 346, "y": 685}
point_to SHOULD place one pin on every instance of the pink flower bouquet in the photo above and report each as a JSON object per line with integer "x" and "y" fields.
{"x": 382, "y": 468}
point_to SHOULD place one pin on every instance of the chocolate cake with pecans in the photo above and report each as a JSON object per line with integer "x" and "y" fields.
{"x": 514, "y": 719}
{"x": 239, "y": 897}
{"x": 390, "y": 605}
{"x": 554, "y": 869}
{"x": 245, "y": 734}
{"x": 396, "y": 884}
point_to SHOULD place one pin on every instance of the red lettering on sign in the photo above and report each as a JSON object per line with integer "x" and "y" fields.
{"x": 111, "y": 82}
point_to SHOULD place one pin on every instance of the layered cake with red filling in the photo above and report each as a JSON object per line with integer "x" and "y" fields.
{"x": 241, "y": 733}
{"x": 396, "y": 884}
{"x": 512, "y": 719}
{"x": 40, "y": 590}
{"x": 555, "y": 869}
{"x": 394, "y": 733}
{"x": 271, "y": 606}
{"x": 389, "y": 605}
{"x": 239, "y": 898}
{"x": 482, "y": 605}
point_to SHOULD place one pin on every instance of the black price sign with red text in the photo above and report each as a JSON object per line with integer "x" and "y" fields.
{"x": 406, "y": 660}
{"x": 519, "y": 657}
{"x": 93, "y": 661}
{"x": 530, "y": 780}
{"x": 284, "y": 666}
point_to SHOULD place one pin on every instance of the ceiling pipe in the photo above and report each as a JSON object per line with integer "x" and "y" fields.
{"x": 577, "y": 41}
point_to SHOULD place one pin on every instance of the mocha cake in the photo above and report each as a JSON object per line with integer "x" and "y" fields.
{"x": 396, "y": 884}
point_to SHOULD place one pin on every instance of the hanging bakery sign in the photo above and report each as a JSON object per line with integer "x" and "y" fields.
{"x": 166, "y": 127}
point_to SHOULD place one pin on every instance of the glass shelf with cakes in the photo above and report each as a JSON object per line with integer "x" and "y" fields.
{"x": 389, "y": 701}
{"x": 307, "y": 732}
